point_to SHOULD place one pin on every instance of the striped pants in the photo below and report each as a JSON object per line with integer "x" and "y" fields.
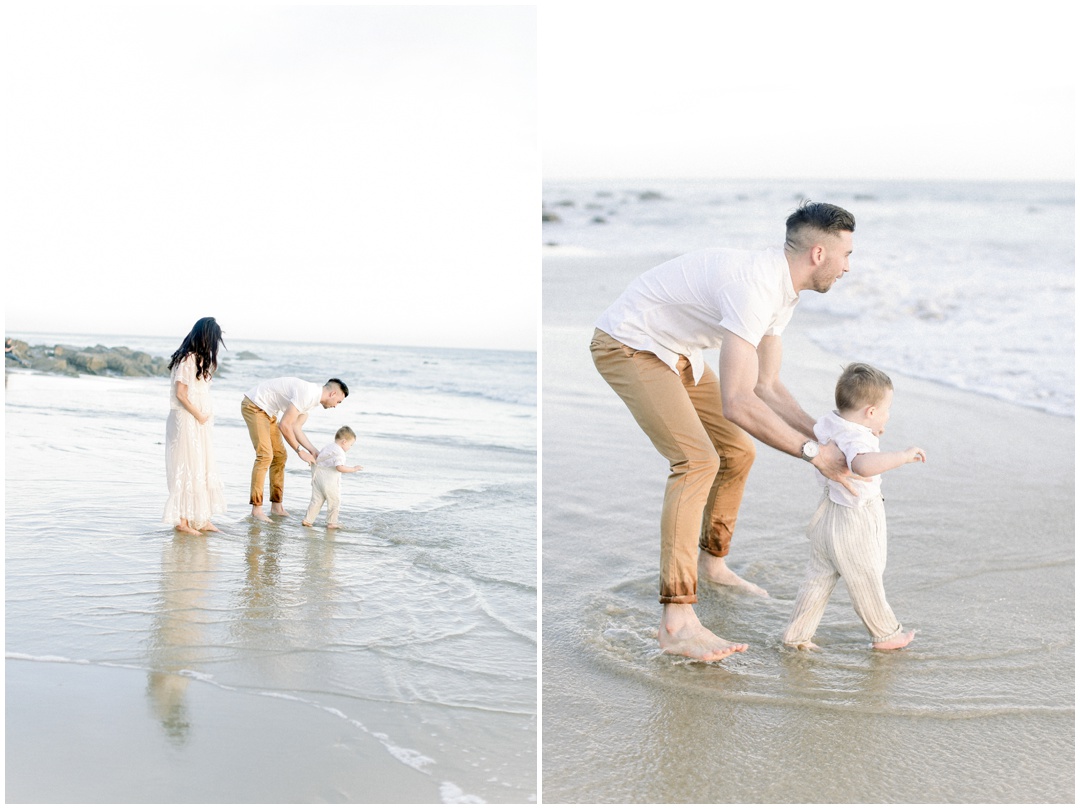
{"x": 847, "y": 543}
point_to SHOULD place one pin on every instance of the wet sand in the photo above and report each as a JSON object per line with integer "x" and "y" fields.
{"x": 981, "y": 562}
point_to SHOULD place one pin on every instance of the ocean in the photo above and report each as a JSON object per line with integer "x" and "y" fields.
{"x": 970, "y": 284}
{"x": 391, "y": 660}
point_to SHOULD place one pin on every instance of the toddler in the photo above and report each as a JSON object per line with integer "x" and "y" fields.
{"x": 847, "y": 533}
{"x": 326, "y": 477}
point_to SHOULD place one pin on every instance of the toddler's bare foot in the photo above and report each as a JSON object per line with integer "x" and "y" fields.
{"x": 681, "y": 633}
{"x": 257, "y": 513}
{"x": 899, "y": 642}
{"x": 803, "y": 646}
{"x": 714, "y": 569}
{"x": 333, "y": 525}
{"x": 307, "y": 524}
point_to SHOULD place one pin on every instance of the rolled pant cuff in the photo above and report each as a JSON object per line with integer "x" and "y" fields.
{"x": 711, "y": 552}
{"x": 890, "y": 636}
{"x": 678, "y": 599}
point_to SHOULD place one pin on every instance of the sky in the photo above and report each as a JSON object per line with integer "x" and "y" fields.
{"x": 319, "y": 173}
{"x": 779, "y": 89}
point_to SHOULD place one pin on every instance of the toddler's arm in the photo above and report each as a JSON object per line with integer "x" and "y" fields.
{"x": 869, "y": 464}
{"x": 348, "y": 468}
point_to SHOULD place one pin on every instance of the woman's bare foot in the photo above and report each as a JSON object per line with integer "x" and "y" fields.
{"x": 185, "y": 528}
{"x": 681, "y": 633}
{"x": 257, "y": 513}
{"x": 278, "y": 510}
{"x": 714, "y": 569}
{"x": 899, "y": 642}
{"x": 209, "y": 526}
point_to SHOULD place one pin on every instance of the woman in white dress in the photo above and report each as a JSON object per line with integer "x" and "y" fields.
{"x": 195, "y": 491}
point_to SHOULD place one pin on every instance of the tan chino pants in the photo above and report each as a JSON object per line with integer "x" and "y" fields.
{"x": 269, "y": 452}
{"x": 709, "y": 456}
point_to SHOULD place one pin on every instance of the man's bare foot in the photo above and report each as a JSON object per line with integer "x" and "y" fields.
{"x": 803, "y": 646}
{"x": 681, "y": 633}
{"x": 278, "y": 510}
{"x": 185, "y": 528}
{"x": 257, "y": 513}
{"x": 899, "y": 642}
{"x": 714, "y": 569}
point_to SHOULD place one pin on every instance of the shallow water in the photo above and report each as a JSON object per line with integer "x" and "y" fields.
{"x": 394, "y": 659}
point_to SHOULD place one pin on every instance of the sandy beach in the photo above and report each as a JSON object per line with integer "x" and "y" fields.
{"x": 390, "y": 661}
{"x": 981, "y": 563}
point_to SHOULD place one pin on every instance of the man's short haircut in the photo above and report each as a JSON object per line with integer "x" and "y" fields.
{"x": 861, "y": 385}
{"x": 340, "y": 384}
{"x": 344, "y": 432}
{"x": 816, "y": 216}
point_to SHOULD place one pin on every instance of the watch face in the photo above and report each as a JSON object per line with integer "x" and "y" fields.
{"x": 810, "y": 449}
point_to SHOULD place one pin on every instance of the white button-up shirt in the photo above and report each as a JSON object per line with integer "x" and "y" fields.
{"x": 679, "y": 307}
{"x": 275, "y": 395}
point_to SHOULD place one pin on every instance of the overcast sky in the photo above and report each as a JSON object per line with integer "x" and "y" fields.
{"x": 784, "y": 89}
{"x": 338, "y": 173}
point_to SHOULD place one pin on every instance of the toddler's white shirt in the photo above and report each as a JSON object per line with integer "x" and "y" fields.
{"x": 852, "y": 439}
{"x": 331, "y": 455}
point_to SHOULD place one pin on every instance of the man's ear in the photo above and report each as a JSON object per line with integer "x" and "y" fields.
{"x": 817, "y": 254}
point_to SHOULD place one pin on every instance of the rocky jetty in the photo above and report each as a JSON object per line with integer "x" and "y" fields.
{"x": 98, "y": 360}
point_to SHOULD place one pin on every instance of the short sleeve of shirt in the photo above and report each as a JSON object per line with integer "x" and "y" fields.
{"x": 853, "y": 443}
{"x": 748, "y": 310}
{"x": 184, "y": 371}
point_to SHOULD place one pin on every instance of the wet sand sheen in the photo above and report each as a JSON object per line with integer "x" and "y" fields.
{"x": 979, "y": 708}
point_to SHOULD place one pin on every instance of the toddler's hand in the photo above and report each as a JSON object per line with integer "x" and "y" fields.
{"x": 915, "y": 454}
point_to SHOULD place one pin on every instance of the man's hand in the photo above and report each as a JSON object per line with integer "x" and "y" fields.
{"x": 302, "y": 451}
{"x": 830, "y": 462}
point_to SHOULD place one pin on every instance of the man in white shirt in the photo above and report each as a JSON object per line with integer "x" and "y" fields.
{"x": 273, "y": 409}
{"x": 648, "y": 346}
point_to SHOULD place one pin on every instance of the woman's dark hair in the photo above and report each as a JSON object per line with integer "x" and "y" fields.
{"x": 202, "y": 341}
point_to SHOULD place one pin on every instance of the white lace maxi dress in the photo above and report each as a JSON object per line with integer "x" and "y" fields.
{"x": 195, "y": 490}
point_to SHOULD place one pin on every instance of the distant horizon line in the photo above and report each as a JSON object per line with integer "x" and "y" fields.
{"x": 717, "y": 178}
{"x": 15, "y": 332}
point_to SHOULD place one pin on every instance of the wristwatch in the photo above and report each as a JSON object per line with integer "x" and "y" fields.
{"x": 810, "y": 450}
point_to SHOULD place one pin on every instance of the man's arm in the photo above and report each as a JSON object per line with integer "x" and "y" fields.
{"x": 772, "y": 391}
{"x": 739, "y": 374}
{"x": 291, "y": 426}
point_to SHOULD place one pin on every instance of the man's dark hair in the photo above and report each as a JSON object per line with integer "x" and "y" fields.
{"x": 819, "y": 216}
{"x": 340, "y": 384}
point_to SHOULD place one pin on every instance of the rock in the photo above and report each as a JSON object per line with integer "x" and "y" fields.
{"x": 551, "y": 217}
{"x": 98, "y": 360}
{"x": 247, "y": 355}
